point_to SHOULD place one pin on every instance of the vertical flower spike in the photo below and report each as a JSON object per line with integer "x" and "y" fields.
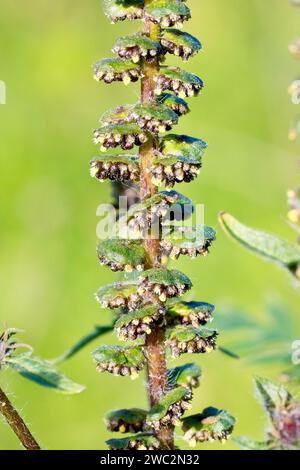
{"x": 150, "y": 316}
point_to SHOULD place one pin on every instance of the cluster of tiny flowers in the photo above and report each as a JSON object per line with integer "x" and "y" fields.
{"x": 152, "y": 125}
{"x": 195, "y": 319}
{"x": 136, "y": 53}
{"x": 174, "y": 251}
{"x": 137, "y": 14}
{"x": 109, "y": 139}
{"x": 197, "y": 345}
{"x": 181, "y": 89}
{"x": 136, "y": 444}
{"x": 117, "y": 369}
{"x": 114, "y": 266}
{"x": 193, "y": 436}
{"x": 184, "y": 52}
{"x": 115, "y": 171}
{"x": 173, "y": 415}
{"x": 119, "y": 425}
{"x": 130, "y": 303}
{"x": 109, "y": 76}
{"x": 161, "y": 291}
{"x": 170, "y": 20}
{"x": 137, "y": 328}
{"x": 178, "y": 173}
{"x": 145, "y": 219}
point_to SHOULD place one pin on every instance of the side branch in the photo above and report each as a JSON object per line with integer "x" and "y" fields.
{"x": 16, "y": 423}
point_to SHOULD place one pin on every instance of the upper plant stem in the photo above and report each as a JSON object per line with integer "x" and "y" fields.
{"x": 155, "y": 342}
{"x": 16, "y": 423}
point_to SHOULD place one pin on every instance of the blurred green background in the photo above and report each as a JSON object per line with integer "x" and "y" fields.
{"x": 48, "y": 269}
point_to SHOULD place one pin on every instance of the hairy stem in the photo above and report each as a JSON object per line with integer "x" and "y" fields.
{"x": 155, "y": 343}
{"x": 16, "y": 423}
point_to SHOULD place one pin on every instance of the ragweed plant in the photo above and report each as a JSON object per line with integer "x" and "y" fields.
{"x": 149, "y": 315}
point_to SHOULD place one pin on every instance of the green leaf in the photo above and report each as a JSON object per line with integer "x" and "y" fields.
{"x": 266, "y": 245}
{"x": 120, "y": 10}
{"x": 136, "y": 47}
{"x": 167, "y": 12}
{"x": 120, "y": 360}
{"x": 193, "y": 313}
{"x": 162, "y": 408}
{"x": 184, "y": 84}
{"x": 115, "y": 167}
{"x": 178, "y": 105}
{"x": 180, "y": 43}
{"x": 191, "y": 241}
{"x": 137, "y": 324}
{"x": 272, "y": 396}
{"x": 124, "y": 420}
{"x": 249, "y": 444}
{"x": 116, "y": 69}
{"x": 185, "y": 375}
{"x": 83, "y": 342}
{"x": 122, "y": 255}
{"x": 187, "y": 339}
{"x": 210, "y": 425}
{"x": 143, "y": 441}
{"x": 43, "y": 373}
{"x": 182, "y": 147}
{"x": 120, "y": 294}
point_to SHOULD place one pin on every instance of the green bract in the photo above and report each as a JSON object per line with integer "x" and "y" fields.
{"x": 188, "y": 339}
{"x": 182, "y": 146}
{"x": 167, "y": 12}
{"x": 136, "y": 47}
{"x": 137, "y": 324}
{"x": 119, "y": 360}
{"x": 190, "y": 241}
{"x": 120, "y": 294}
{"x": 178, "y": 105}
{"x": 183, "y": 84}
{"x": 143, "y": 441}
{"x": 116, "y": 70}
{"x": 120, "y": 10}
{"x": 154, "y": 118}
{"x": 121, "y": 255}
{"x": 187, "y": 375}
{"x": 210, "y": 425}
{"x": 126, "y": 420}
{"x": 170, "y": 408}
{"x": 190, "y": 313}
{"x": 180, "y": 43}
